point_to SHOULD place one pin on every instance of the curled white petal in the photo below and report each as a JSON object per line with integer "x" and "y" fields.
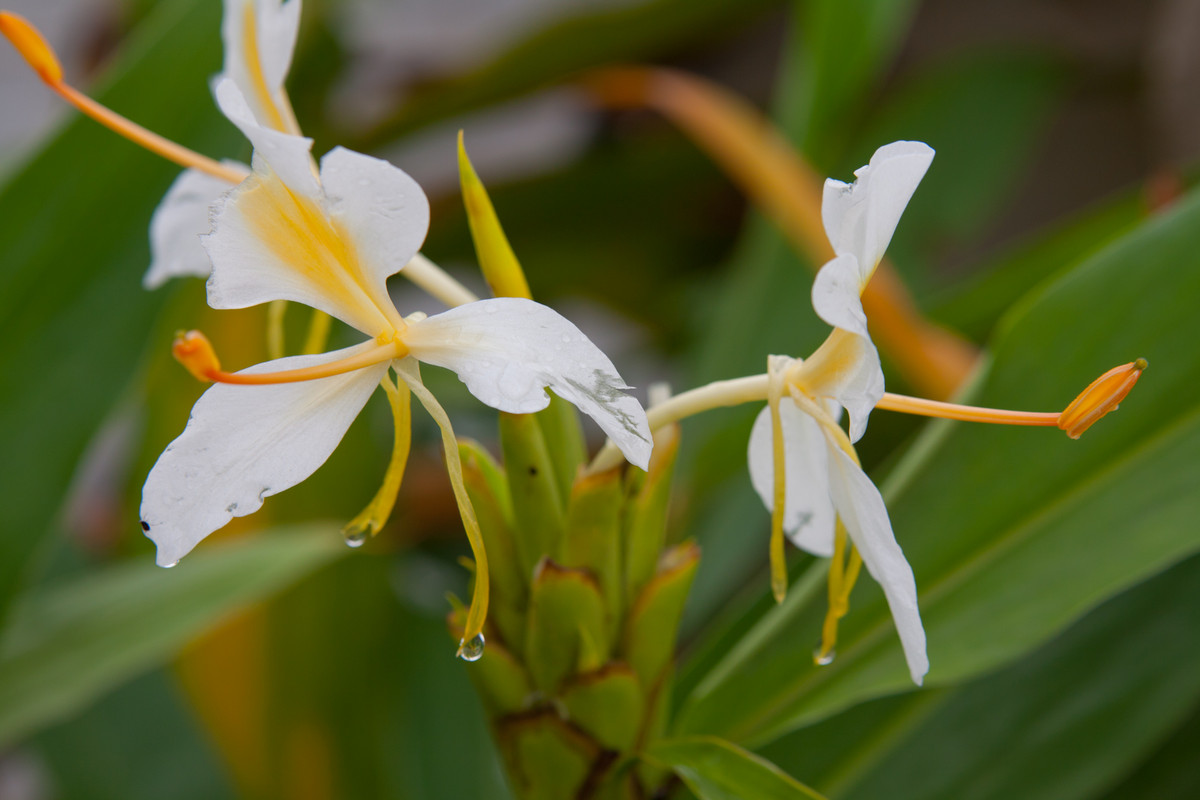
{"x": 288, "y": 155}
{"x": 861, "y": 217}
{"x": 509, "y": 350}
{"x": 846, "y": 370}
{"x": 245, "y": 443}
{"x": 380, "y": 208}
{"x": 178, "y": 223}
{"x": 862, "y": 511}
{"x": 808, "y": 512}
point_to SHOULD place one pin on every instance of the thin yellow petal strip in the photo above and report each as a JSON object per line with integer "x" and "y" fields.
{"x": 195, "y": 352}
{"x": 33, "y": 47}
{"x": 372, "y": 518}
{"x": 751, "y": 151}
{"x": 471, "y": 646}
{"x": 776, "y": 371}
{"x": 496, "y": 258}
{"x": 1102, "y": 396}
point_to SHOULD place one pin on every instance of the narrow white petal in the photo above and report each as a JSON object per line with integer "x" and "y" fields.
{"x": 289, "y": 156}
{"x": 509, "y": 350}
{"x": 861, "y": 217}
{"x": 177, "y": 225}
{"x": 245, "y": 443}
{"x": 835, "y": 295}
{"x": 379, "y": 207}
{"x": 808, "y": 515}
{"x": 261, "y": 31}
{"x": 862, "y": 511}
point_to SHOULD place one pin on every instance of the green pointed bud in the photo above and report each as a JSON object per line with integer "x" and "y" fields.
{"x": 567, "y": 624}
{"x": 548, "y": 759}
{"x": 593, "y": 539}
{"x": 487, "y": 486}
{"x": 608, "y": 704}
{"x": 653, "y": 620}
{"x": 496, "y": 258}
{"x": 564, "y": 440}
{"x": 537, "y": 506}
{"x": 646, "y": 517}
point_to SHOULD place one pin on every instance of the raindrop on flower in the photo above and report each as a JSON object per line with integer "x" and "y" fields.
{"x": 823, "y": 659}
{"x": 356, "y": 538}
{"x": 168, "y": 566}
{"x": 471, "y": 650}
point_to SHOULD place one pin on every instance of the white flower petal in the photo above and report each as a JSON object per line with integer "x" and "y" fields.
{"x": 178, "y": 223}
{"x": 861, "y": 217}
{"x": 244, "y": 443}
{"x": 259, "y": 37}
{"x": 268, "y": 243}
{"x": 379, "y": 206}
{"x": 835, "y": 295}
{"x": 862, "y": 511}
{"x": 508, "y": 351}
{"x": 808, "y": 513}
{"x": 288, "y": 155}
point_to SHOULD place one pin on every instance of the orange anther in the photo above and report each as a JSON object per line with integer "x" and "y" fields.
{"x": 1102, "y": 396}
{"x": 194, "y": 351}
{"x": 32, "y": 46}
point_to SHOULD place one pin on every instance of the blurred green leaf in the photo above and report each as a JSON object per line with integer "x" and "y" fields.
{"x": 718, "y": 770}
{"x": 568, "y": 626}
{"x": 68, "y": 644}
{"x": 1070, "y": 719}
{"x": 1015, "y": 533}
{"x": 609, "y": 704}
{"x": 622, "y": 33}
{"x": 73, "y": 315}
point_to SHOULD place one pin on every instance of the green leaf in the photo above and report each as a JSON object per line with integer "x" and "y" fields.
{"x": 73, "y": 315}
{"x": 68, "y": 644}
{"x": 1013, "y": 534}
{"x": 593, "y": 540}
{"x": 1105, "y": 692}
{"x": 646, "y": 515}
{"x": 548, "y": 760}
{"x": 718, "y": 770}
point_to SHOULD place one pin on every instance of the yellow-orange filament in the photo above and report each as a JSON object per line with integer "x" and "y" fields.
{"x": 1102, "y": 396}
{"x": 33, "y": 47}
{"x": 935, "y": 408}
{"x": 193, "y": 350}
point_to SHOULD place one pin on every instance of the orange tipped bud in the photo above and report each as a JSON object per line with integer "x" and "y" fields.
{"x": 1102, "y": 396}
{"x": 32, "y": 46}
{"x": 194, "y": 351}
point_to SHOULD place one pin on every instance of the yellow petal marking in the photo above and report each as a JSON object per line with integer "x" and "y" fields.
{"x": 301, "y": 235}
{"x": 776, "y": 370}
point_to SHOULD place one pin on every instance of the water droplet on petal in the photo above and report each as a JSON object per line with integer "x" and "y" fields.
{"x": 823, "y": 659}
{"x": 471, "y": 650}
{"x": 566, "y": 337}
{"x": 173, "y": 563}
{"x": 356, "y": 538}
{"x": 491, "y": 308}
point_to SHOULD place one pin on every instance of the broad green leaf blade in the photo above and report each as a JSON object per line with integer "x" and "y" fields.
{"x": 67, "y": 645}
{"x": 718, "y": 770}
{"x": 1104, "y": 693}
{"x": 73, "y": 315}
{"x": 1015, "y": 533}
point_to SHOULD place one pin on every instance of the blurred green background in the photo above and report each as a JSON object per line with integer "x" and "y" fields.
{"x": 1056, "y": 229}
